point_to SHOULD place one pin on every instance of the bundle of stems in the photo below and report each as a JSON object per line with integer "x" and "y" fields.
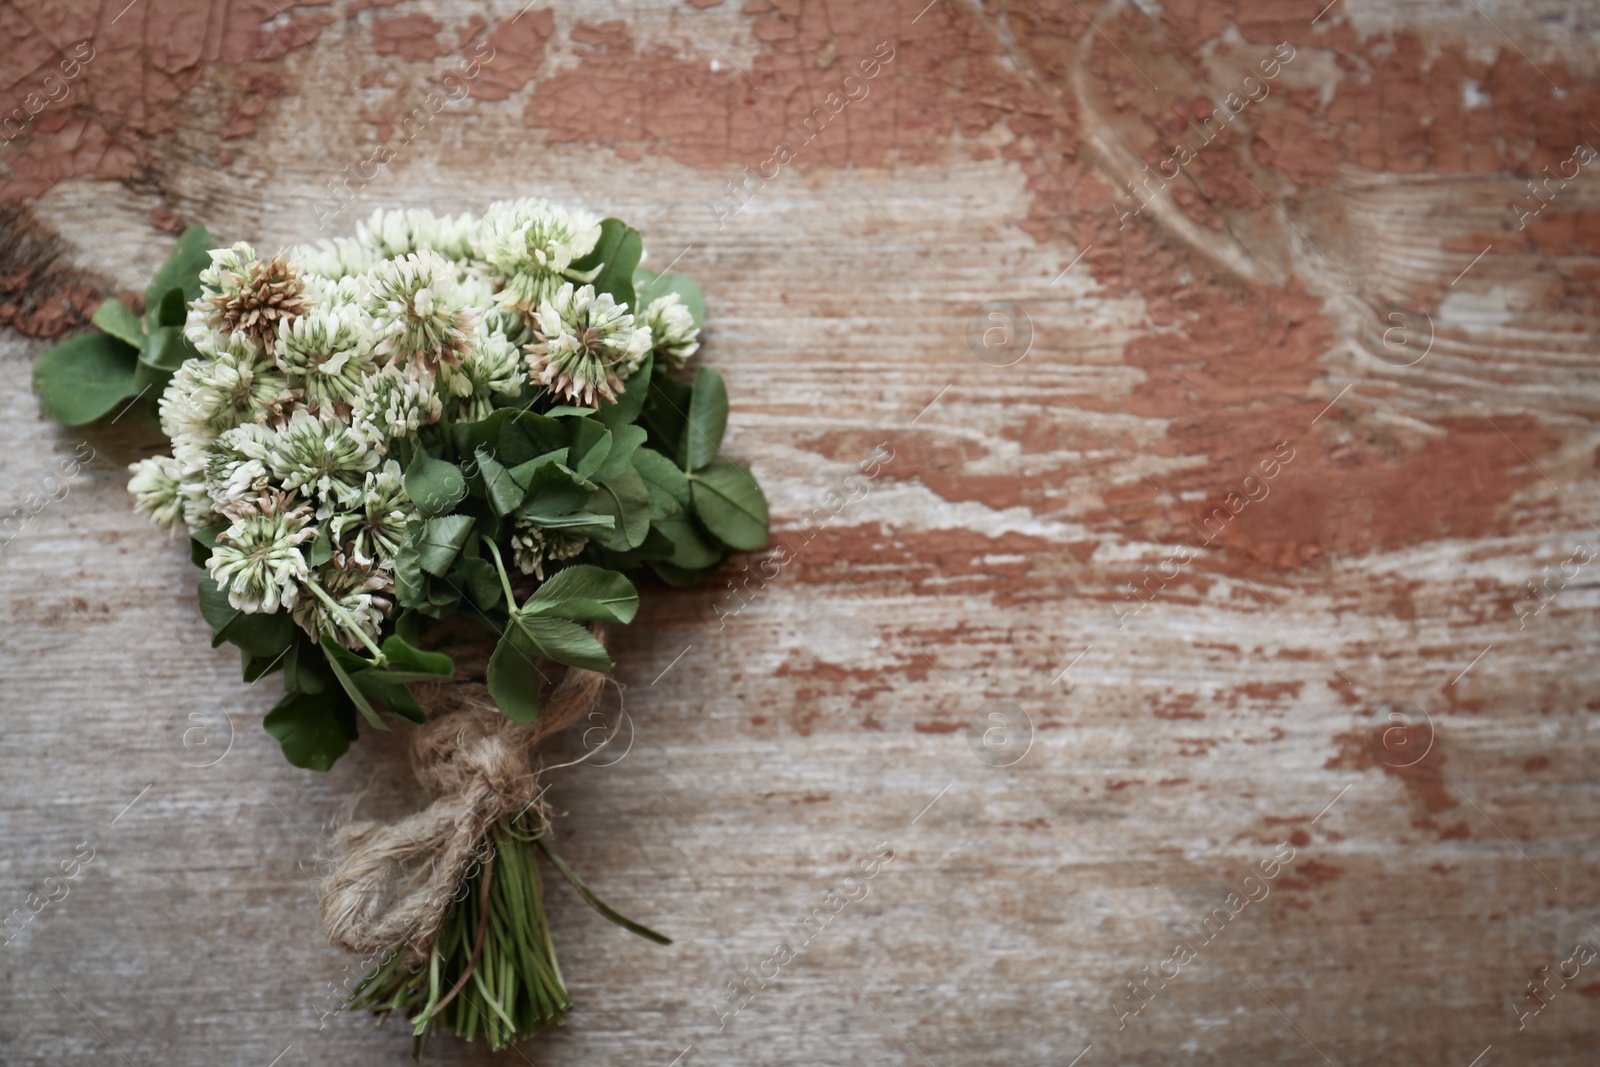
{"x": 492, "y": 970}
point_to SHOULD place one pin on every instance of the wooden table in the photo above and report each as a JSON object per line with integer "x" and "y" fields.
{"x": 1204, "y": 558}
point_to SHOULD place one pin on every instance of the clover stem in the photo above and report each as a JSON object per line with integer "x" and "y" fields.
{"x": 505, "y": 582}
{"x": 477, "y": 944}
{"x": 349, "y": 623}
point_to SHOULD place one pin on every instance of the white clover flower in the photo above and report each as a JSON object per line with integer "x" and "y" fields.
{"x": 392, "y": 233}
{"x": 326, "y": 354}
{"x": 157, "y": 490}
{"x": 475, "y": 286}
{"x": 477, "y": 290}
{"x": 491, "y": 367}
{"x": 333, "y": 293}
{"x": 347, "y": 291}
{"x": 373, "y": 530}
{"x": 357, "y": 591}
{"x": 585, "y": 345}
{"x": 258, "y": 559}
{"x": 342, "y": 257}
{"x": 241, "y": 293}
{"x": 236, "y": 467}
{"x": 534, "y": 546}
{"x": 417, "y": 312}
{"x": 394, "y": 403}
{"x": 321, "y": 456}
{"x": 530, "y": 245}
{"x": 672, "y": 329}
{"x": 233, "y": 381}
{"x": 190, "y": 461}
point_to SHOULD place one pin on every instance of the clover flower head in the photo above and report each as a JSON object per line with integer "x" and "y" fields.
{"x": 241, "y": 293}
{"x": 358, "y": 591}
{"x": 514, "y": 326}
{"x": 417, "y": 312}
{"x": 531, "y": 245}
{"x": 258, "y": 560}
{"x": 157, "y": 489}
{"x": 326, "y": 355}
{"x": 397, "y": 233}
{"x": 232, "y": 381}
{"x": 395, "y": 402}
{"x": 533, "y": 546}
{"x": 475, "y": 286}
{"x": 491, "y": 367}
{"x": 373, "y": 530}
{"x": 585, "y": 345}
{"x": 479, "y": 290}
{"x": 328, "y": 294}
{"x": 321, "y": 457}
{"x": 346, "y": 292}
{"x": 672, "y": 329}
{"x": 190, "y": 462}
{"x": 237, "y": 467}
{"x": 342, "y": 257}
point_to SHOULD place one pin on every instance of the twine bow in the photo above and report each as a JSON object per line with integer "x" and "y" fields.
{"x": 392, "y": 884}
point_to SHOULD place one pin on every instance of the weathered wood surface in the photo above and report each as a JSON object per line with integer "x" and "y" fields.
{"x": 1312, "y": 278}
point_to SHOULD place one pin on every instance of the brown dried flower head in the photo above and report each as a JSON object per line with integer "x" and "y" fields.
{"x": 241, "y": 293}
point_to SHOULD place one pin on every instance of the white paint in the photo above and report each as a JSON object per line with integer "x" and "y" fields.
{"x": 1475, "y": 312}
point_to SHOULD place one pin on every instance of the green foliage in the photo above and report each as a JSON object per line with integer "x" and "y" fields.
{"x": 203, "y": 540}
{"x": 504, "y": 491}
{"x": 164, "y": 351}
{"x": 85, "y": 378}
{"x": 436, "y": 486}
{"x": 114, "y": 317}
{"x": 172, "y": 310}
{"x": 385, "y": 679}
{"x": 584, "y": 593}
{"x": 314, "y": 729}
{"x": 666, "y": 417}
{"x": 261, "y": 636}
{"x": 442, "y": 539}
{"x": 545, "y": 626}
{"x": 514, "y": 677}
{"x": 181, "y": 271}
{"x": 708, "y": 420}
{"x": 91, "y": 375}
{"x": 634, "y": 392}
{"x": 691, "y": 550}
{"x": 730, "y": 504}
{"x": 626, "y": 501}
{"x": 668, "y": 486}
{"x": 625, "y": 441}
{"x": 616, "y": 256}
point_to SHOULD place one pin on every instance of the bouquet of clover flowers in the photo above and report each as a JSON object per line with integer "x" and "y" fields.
{"x": 445, "y": 433}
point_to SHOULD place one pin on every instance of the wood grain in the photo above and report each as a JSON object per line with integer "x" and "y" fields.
{"x": 1442, "y": 859}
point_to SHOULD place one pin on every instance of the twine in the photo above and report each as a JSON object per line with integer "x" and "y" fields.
{"x": 392, "y": 884}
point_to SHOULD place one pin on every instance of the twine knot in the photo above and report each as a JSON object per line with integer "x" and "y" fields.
{"x": 392, "y": 884}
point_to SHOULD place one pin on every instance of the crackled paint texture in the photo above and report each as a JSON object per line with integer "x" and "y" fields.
{"x": 1242, "y": 545}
